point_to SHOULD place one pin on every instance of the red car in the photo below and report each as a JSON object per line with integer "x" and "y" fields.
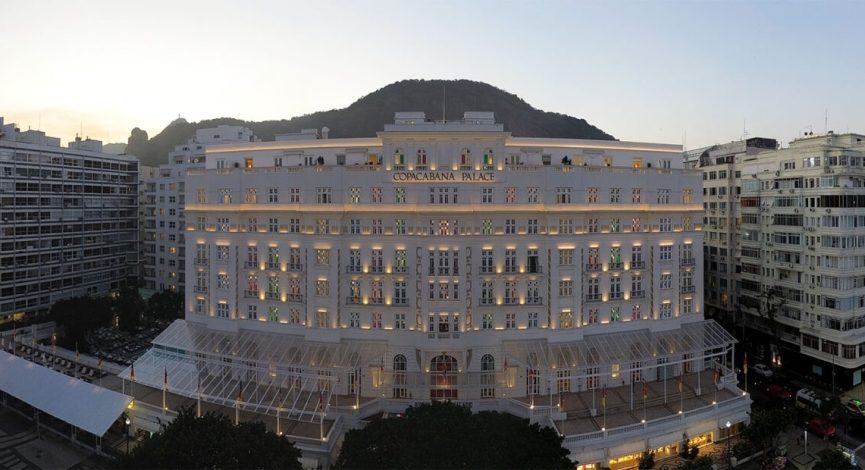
{"x": 821, "y": 427}
{"x": 779, "y": 392}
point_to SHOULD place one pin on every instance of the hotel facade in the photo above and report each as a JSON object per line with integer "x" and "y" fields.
{"x": 332, "y": 279}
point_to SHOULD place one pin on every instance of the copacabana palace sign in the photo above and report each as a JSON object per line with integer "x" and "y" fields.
{"x": 444, "y": 176}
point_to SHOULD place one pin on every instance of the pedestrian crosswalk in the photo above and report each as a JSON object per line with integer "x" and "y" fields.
{"x": 10, "y": 459}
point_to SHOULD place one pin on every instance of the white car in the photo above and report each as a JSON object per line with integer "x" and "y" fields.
{"x": 762, "y": 370}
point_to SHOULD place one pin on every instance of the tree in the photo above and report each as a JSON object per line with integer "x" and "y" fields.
{"x": 165, "y": 305}
{"x": 446, "y": 435}
{"x": 647, "y": 460}
{"x": 766, "y": 427}
{"x": 212, "y": 441}
{"x": 833, "y": 459}
{"x": 129, "y": 308}
{"x": 79, "y": 316}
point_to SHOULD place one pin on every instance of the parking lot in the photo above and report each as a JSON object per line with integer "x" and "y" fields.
{"x": 120, "y": 347}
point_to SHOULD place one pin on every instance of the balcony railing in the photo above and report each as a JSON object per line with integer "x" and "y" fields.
{"x": 486, "y": 301}
{"x": 272, "y": 265}
{"x": 353, "y": 300}
{"x": 376, "y": 301}
{"x": 638, "y": 264}
{"x": 687, "y": 289}
{"x": 534, "y": 300}
{"x": 510, "y": 301}
{"x": 250, "y": 264}
{"x": 638, "y": 294}
{"x": 400, "y": 269}
{"x": 199, "y": 289}
{"x": 688, "y": 261}
{"x": 250, "y": 294}
{"x": 615, "y": 295}
{"x": 535, "y": 269}
{"x": 272, "y": 296}
{"x": 294, "y": 297}
{"x": 593, "y": 267}
{"x": 353, "y": 269}
{"x": 376, "y": 269}
{"x": 487, "y": 270}
{"x": 295, "y": 266}
{"x": 593, "y": 297}
{"x": 618, "y": 265}
{"x": 400, "y": 301}
{"x": 201, "y": 261}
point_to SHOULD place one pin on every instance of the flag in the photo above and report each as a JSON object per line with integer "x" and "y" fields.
{"x": 604, "y": 396}
{"x": 645, "y": 390}
{"x": 745, "y": 364}
{"x": 132, "y": 372}
{"x": 165, "y": 377}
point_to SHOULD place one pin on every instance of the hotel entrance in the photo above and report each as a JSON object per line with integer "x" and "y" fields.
{"x": 443, "y": 377}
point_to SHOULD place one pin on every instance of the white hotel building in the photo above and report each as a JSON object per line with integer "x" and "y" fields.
{"x": 332, "y": 279}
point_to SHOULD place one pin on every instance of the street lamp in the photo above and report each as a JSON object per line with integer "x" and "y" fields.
{"x": 128, "y": 422}
{"x": 729, "y": 457}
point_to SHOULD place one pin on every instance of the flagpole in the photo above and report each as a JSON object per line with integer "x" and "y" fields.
{"x": 745, "y": 368}
{"x": 198, "y": 408}
{"x": 645, "y": 398}
{"x": 164, "y": 387}
{"x": 604, "y": 403}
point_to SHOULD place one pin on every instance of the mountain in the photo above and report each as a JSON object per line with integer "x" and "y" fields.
{"x": 366, "y": 116}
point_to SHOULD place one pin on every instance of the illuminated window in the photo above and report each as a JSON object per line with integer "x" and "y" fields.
{"x": 486, "y": 195}
{"x": 635, "y": 224}
{"x": 488, "y": 376}
{"x": 615, "y": 195}
{"x": 566, "y": 319}
{"x": 399, "y": 195}
{"x": 222, "y": 309}
{"x": 563, "y": 195}
{"x": 566, "y": 288}
{"x": 566, "y": 256}
{"x": 533, "y": 195}
{"x": 322, "y": 257}
{"x": 591, "y": 195}
{"x": 566, "y": 226}
{"x": 487, "y": 321}
{"x": 354, "y": 195}
{"x": 510, "y": 195}
{"x": 251, "y": 196}
{"x": 252, "y": 312}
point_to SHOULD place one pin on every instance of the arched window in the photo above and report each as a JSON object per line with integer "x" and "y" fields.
{"x": 421, "y": 157}
{"x": 466, "y": 159}
{"x": 399, "y": 367}
{"x": 398, "y": 157}
{"x": 443, "y": 369}
{"x": 489, "y": 159}
{"x": 488, "y": 376}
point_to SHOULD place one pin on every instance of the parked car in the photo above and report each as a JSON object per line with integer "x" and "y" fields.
{"x": 762, "y": 370}
{"x": 821, "y": 427}
{"x": 779, "y": 392}
{"x": 856, "y": 407}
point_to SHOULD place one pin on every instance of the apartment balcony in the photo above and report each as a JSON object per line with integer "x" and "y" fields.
{"x": 200, "y": 261}
{"x": 272, "y": 296}
{"x": 400, "y": 269}
{"x": 688, "y": 261}
{"x": 535, "y": 270}
{"x": 250, "y": 264}
{"x": 295, "y": 266}
{"x": 511, "y": 301}
{"x": 485, "y": 301}
{"x": 615, "y": 296}
{"x": 294, "y": 298}
{"x": 250, "y": 294}
{"x": 638, "y": 294}
{"x": 375, "y": 301}
{"x": 534, "y": 300}
{"x": 487, "y": 270}
{"x": 354, "y": 300}
{"x": 353, "y": 269}
{"x": 616, "y": 266}
{"x": 400, "y": 302}
{"x": 638, "y": 264}
{"x": 593, "y": 267}
{"x": 199, "y": 289}
{"x": 272, "y": 265}
{"x": 376, "y": 269}
{"x": 593, "y": 298}
{"x": 687, "y": 289}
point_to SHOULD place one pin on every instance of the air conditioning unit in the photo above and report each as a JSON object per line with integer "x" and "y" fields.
{"x": 828, "y": 211}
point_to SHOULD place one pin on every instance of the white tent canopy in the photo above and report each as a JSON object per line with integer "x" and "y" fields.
{"x": 85, "y": 406}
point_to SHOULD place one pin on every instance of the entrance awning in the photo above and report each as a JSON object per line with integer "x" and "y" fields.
{"x": 85, "y": 406}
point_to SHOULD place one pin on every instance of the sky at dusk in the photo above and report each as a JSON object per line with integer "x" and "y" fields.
{"x": 698, "y": 72}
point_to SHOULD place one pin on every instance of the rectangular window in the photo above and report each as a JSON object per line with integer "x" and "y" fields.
{"x": 666, "y": 310}
{"x": 666, "y": 281}
{"x": 251, "y": 196}
{"x": 666, "y": 224}
{"x": 323, "y": 196}
{"x": 566, "y": 256}
{"x": 399, "y": 195}
{"x": 222, "y": 309}
{"x": 252, "y": 225}
{"x": 399, "y": 227}
{"x": 591, "y": 195}
{"x": 354, "y": 195}
{"x": 510, "y": 321}
{"x": 663, "y": 196}
{"x": 563, "y": 195}
{"x": 375, "y": 195}
{"x": 566, "y": 226}
{"x": 354, "y": 226}
{"x": 487, "y": 227}
{"x": 293, "y": 225}
{"x": 666, "y": 253}
{"x": 322, "y": 257}
{"x": 615, "y": 195}
{"x": 487, "y": 321}
{"x": 566, "y": 288}
{"x": 272, "y": 225}
{"x": 510, "y": 195}
{"x": 510, "y": 226}
{"x": 533, "y": 195}
{"x": 294, "y": 195}
{"x": 323, "y": 227}
{"x": 532, "y": 227}
{"x": 486, "y": 195}
{"x": 399, "y": 321}
{"x": 636, "y": 196}
{"x": 252, "y": 312}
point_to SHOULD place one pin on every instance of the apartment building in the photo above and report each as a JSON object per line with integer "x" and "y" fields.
{"x": 69, "y": 220}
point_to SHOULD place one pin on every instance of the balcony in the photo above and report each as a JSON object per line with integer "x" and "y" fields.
{"x": 272, "y": 265}
{"x": 510, "y": 301}
{"x": 353, "y": 300}
{"x": 688, "y": 261}
{"x": 638, "y": 294}
{"x": 250, "y": 264}
{"x": 250, "y": 294}
{"x": 200, "y": 289}
{"x": 295, "y": 266}
{"x": 376, "y": 301}
{"x": 593, "y": 267}
{"x": 376, "y": 269}
{"x": 294, "y": 298}
{"x": 487, "y": 301}
{"x": 400, "y": 301}
{"x": 487, "y": 270}
{"x": 638, "y": 264}
{"x": 615, "y": 296}
{"x": 353, "y": 269}
{"x": 687, "y": 289}
{"x": 534, "y": 300}
{"x": 272, "y": 296}
{"x": 200, "y": 261}
{"x": 616, "y": 266}
{"x": 400, "y": 269}
{"x": 535, "y": 269}
{"x": 593, "y": 298}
